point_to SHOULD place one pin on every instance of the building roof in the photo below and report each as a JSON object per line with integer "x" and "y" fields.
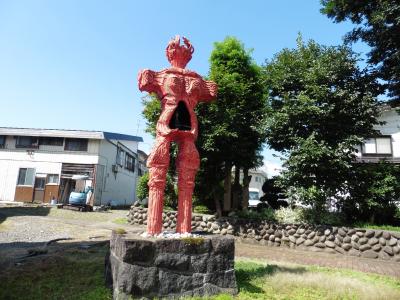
{"x": 67, "y": 133}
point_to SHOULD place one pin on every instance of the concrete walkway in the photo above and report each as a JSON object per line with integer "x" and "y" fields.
{"x": 283, "y": 254}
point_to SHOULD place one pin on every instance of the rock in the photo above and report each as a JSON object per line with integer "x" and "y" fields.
{"x": 322, "y": 238}
{"x": 363, "y": 241}
{"x": 346, "y": 247}
{"x": 373, "y": 241}
{"x": 396, "y": 250}
{"x": 351, "y": 232}
{"x": 277, "y": 240}
{"x": 360, "y": 233}
{"x": 203, "y": 224}
{"x": 271, "y": 237}
{"x": 292, "y": 239}
{"x": 331, "y": 237}
{"x": 354, "y": 252}
{"x": 388, "y": 250}
{"x": 341, "y": 232}
{"x": 225, "y": 231}
{"x": 309, "y": 243}
{"x": 369, "y": 233}
{"x": 278, "y": 234}
{"x": 346, "y": 239}
{"x": 377, "y": 248}
{"x": 301, "y": 231}
{"x": 369, "y": 254}
{"x": 392, "y": 242}
{"x": 291, "y": 231}
{"x": 384, "y": 255}
{"x": 355, "y": 238}
{"x": 340, "y": 250}
{"x": 339, "y": 238}
{"x": 355, "y": 245}
{"x": 365, "y": 247}
{"x": 396, "y": 235}
{"x": 386, "y": 235}
{"x": 327, "y": 232}
{"x": 337, "y": 242}
{"x": 299, "y": 241}
{"x": 311, "y": 235}
{"x": 378, "y": 234}
{"x": 320, "y": 245}
{"x": 330, "y": 244}
{"x": 382, "y": 241}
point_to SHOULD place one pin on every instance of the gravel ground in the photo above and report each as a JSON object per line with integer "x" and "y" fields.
{"x": 25, "y": 228}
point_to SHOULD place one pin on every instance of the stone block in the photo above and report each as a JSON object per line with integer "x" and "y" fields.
{"x": 173, "y": 268}
{"x": 369, "y": 254}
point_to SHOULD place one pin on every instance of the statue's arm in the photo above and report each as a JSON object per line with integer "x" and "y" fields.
{"x": 148, "y": 81}
{"x": 208, "y": 91}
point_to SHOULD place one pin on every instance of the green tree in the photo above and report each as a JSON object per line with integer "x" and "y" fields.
{"x": 374, "y": 190}
{"x": 378, "y": 25}
{"x": 231, "y": 128}
{"x": 321, "y": 105}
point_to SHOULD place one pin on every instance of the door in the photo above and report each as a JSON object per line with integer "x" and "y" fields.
{"x": 38, "y": 192}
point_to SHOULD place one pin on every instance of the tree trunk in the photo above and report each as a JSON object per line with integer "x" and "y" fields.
{"x": 236, "y": 189}
{"x": 245, "y": 190}
{"x": 217, "y": 205}
{"x": 228, "y": 186}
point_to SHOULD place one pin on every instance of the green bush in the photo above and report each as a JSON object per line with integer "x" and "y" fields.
{"x": 287, "y": 215}
{"x": 267, "y": 214}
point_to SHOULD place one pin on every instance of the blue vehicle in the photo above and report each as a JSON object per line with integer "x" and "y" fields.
{"x": 80, "y": 198}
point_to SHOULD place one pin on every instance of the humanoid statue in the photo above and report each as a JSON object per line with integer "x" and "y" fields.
{"x": 179, "y": 90}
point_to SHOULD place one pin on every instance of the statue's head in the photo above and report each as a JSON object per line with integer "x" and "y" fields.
{"x": 179, "y": 55}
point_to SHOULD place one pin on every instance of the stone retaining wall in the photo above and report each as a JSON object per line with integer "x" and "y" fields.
{"x": 344, "y": 240}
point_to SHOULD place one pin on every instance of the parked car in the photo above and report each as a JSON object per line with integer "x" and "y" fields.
{"x": 254, "y": 197}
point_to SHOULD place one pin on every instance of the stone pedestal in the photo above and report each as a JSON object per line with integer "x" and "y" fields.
{"x": 148, "y": 267}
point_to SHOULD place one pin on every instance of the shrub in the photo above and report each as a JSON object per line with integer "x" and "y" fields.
{"x": 289, "y": 215}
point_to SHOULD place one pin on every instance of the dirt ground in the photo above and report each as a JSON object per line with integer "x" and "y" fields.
{"x": 27, "y": 230}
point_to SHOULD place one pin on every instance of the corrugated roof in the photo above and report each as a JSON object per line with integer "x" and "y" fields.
{"x": 68, "y": 133}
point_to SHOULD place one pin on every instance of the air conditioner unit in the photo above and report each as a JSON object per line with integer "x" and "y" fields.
{"x": 115, "y": 168}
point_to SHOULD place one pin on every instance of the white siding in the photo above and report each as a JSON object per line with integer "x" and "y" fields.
{"x": 392, "y": 127}
{"x": 120, "y": 187}
{"x": 9, "y": 174}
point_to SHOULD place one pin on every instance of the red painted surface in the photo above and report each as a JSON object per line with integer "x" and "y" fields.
{"x": 173, "y": 86}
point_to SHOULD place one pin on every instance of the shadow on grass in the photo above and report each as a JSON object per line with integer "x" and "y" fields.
{"x": 247, "y": 273}
{"x": 6, "y": 212}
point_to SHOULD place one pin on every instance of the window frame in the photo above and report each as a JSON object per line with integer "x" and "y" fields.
{"x": 31, "y": 146}
{"x": 52, "y": 183}
{"x": 376, "y": 154}
{"x": 3, "y": 145}
{"x": 24, "y": 181}
{"x": 130, "y": 166}
{"x": 51, "y": 141}
{"x": 81, "y": 149}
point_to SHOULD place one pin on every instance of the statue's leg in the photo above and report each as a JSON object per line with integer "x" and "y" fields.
{"x": 187, "y": 164}
{"x": 157, "y": 163}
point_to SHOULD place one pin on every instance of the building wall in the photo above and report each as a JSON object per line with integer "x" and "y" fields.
{"x": 45, "y": 160}
{"x": 258, "y": 178}
{"x": 119, "y": 188}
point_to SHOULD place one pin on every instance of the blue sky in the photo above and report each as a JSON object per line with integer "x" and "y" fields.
{"x": 73, "y": 64}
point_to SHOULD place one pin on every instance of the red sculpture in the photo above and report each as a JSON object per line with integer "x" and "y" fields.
{"x": 179, "y": 91}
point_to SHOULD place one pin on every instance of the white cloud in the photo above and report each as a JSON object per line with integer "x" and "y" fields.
{"x": 272, "y": 168}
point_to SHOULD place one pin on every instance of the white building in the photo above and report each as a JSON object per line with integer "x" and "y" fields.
{"x": 387, "y": 145}
{"x": 38, "y": 165}
{"x": 258, "y": 177}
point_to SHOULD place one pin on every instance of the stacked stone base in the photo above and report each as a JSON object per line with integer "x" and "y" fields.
{"x": 140, "y": 267}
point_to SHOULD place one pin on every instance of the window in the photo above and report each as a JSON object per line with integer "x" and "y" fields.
{"x": 120, "y": 157}
{"x": 2, "y": 141}
{"x": 379, "y": 145}
{"x": 76, "y": 144}
{"x": 26, "y": 176}
{"x": 51, "y": 141}
{"x": 27, "y": 142}
{"x": 129, "y": 162}
{"x": 52, "y": 179}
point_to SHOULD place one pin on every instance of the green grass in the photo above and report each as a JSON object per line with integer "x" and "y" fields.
{"x": 379, "y": 227}
{"x": 78, "y": 274}
{"x": 121, "y": 221}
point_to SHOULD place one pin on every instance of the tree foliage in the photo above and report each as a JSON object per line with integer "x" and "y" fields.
{"x": 231, "y": 128}
{"x": 378, "y": 24}
{"x": 321, "y": 105}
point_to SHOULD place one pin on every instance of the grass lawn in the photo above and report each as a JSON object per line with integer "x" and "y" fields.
{"x": 78, "y": 274}
{"x": 377, "y": 227}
